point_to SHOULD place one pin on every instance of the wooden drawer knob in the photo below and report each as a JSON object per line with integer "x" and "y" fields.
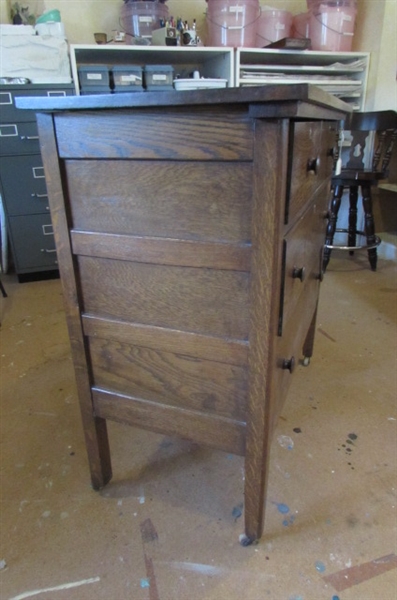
{"x": 312, "y": 165}
{"x": 299, "y": 273}
{"x": 289, "y": 364}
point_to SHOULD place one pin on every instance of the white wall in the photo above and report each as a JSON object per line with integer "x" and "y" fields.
{"x": 376, "y": 32}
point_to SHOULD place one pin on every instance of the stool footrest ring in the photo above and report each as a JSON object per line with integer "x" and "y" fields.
{"x": 352, "y": 248}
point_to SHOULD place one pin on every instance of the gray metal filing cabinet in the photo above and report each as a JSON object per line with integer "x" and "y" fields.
{"x": 22, "y": 180}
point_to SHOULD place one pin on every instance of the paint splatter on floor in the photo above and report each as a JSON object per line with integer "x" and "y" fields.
{"x": 347, "y": 446}
{"x": 285, "y": 442}
{"x": 282, "y": 508}
{"x": 237, "y": 511}
{"x": 320, "y": 566}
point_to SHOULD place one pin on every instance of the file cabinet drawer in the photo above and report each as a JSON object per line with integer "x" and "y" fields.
{"x": 19, "y": 138}
{"x": 11, "y": 114}
{"x": 33, "y": 242}
{"x": 24, "y": 185}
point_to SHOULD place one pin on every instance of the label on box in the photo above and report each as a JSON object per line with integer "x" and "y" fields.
{"x": 96, "y": 76}
{"x": 159, "y": 77}
{"x": 130, "y": 78}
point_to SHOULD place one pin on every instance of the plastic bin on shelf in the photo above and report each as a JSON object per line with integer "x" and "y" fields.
{"x": 273, "y": 25}
{"x": 332, "y": 25}
{"x": 127, "y": 78}
{"x": 139, "y": 19}
{"x": 94, "y": 76}
{"x": 159, "y": 78}
{"x": 232, "y": 23}
{"x": 300, "y": 26}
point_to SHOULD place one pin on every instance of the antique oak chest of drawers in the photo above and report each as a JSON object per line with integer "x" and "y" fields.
{"x": 189, "y": 229}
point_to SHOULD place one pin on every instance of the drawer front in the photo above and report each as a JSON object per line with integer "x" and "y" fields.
{"x": 302, "y": 266}
{"x": 9, "y": 113}
{"x": 24, "y": 186}
{"x": 33, "y": 244}
{"x": 288, "y": 352}
{"x": 19, "y": 138}
{"x": 301, "y": 274}
{"x": 311, "y": 164}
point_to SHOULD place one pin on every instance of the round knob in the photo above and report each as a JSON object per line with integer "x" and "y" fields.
{"x": 299, "y": 273}
{"x": 289, "y": 364}
{"x": 312, "y": 164}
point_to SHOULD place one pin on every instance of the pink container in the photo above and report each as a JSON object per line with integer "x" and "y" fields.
{"x": 332, "y": 26}
{"x": 273, "y": 25}
{"x": 300, "y": 26}
{"x": 138, "y": 19}
{"x": 232, "y": 22}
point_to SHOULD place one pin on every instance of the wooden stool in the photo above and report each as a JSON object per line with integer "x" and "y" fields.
{"x": 369, "y": 131}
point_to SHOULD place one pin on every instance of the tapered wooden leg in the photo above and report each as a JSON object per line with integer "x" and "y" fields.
{"x": 98, "y": 451}
{"x": 369, "y": 225}
{"x": 256, "y": 476}
{"x": 265, "y": 266}
{"x": 352, "y": 228}
{"x": 331, "y": 226}
{"x": 309, "y": 341}
{"x": 2, "y": 290}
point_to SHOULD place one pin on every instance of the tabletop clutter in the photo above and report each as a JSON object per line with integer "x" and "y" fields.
{"x": 328, "y": 24}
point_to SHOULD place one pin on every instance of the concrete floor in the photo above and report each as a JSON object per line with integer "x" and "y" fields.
{"x": 167, "y": 526}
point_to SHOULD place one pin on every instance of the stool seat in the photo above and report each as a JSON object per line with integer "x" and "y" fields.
{"x": 372, "y": 134}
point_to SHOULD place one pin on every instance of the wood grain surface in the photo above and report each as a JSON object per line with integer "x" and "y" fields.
{"x": 181, "y": 135}
{"x": 168, "y": 378}
{"x": 186, "y": 200}
{"x": 205, "y": 301}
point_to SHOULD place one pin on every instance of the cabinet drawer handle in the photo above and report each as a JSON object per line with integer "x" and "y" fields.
{"x": 8, "y": 130}
{"x": 47, "y": 230}
{"x": 289, "y": 364}
{"x": 29, "y": 137}
{"x": 5, "y": 98}
{"x": 312, "y": 165}
{"x": 39, "y": 195}
{"x": 38, "y": 172}
{"x": 299, "y": 273}
{"x": 46, "y": 251}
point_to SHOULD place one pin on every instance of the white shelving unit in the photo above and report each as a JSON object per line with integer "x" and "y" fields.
{"x": 343, "y": 74}
{"x": 210, "y": 62}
